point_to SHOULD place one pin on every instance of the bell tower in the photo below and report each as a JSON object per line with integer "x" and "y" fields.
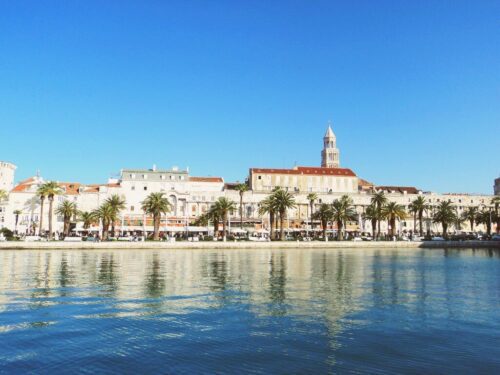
{"x": 330, "y": 153}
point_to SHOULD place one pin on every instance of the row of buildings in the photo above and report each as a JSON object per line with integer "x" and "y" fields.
{"x": 191, "y": 196}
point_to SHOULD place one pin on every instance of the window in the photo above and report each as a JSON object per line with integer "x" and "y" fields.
{"x": 132, "y": 187}
{"x": 145, "y": 188}
{"x": 259, "y": 177}
{"x": 145, "y": 176}
{"x": 132, "y": 208}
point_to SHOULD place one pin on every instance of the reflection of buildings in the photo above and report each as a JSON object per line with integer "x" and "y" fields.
{"x": 322, "y": 285}
{"x": 191, "y": 196}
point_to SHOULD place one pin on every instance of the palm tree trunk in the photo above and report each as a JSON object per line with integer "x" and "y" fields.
{"x": 216, "y": 228}
{"x": 241, "y": 211}
{"x": 51, "y": 200}
{"x": 40, "y": 229}
{"x": 271, "y": 223}
{"x": 282, "y": 226}
{"x": 393, "y": 224}
{"x": 224, "y": 228}
{"x": 311, "y": 218}
{"x": 156, "y": 235}
{"x": 340, "y": 236}
{"x": 374, "y": 228}
{"x": 105, "y": 229}
{"x": 445, "y": 229}
{"x": 324, "y": 224}
{"x": 420, "y": 219}
{"x": 415, "y": 222}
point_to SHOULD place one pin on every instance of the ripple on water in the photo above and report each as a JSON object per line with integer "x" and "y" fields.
{"x": 255, "y": 311}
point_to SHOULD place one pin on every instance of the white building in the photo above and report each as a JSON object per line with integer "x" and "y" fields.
{"x": 192, "y": 196}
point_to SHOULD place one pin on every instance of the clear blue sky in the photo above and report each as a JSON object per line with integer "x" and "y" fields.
{"x": 412, "y": 87}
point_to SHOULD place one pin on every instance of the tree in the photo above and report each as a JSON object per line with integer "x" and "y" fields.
{"x": 371, "y": 214}
{"x": 117, "y": 204}
{"x": 342, "y": 212}
{"x": 470, "y": 214}
{"x": 214, "y": 216}
{"x": 392, "y": 212}
{"x": 16, "y": 214}
{"x": 156, "y": 204}
{"x": 267, "y": 207}
{"x": 224, "y": 206}
{"x": 282, "y": 201}
{"x": 87, "y": 218}
{"x": 495, "y": 201}
{"x": 67, "y": 210}
{"x": 485, "y": 217}
{"x": 3, "y": 195}
{"x": 412, "y": 209}
{"x": 42, "y": 194}
{"x": 106, "y": 214}
{"x": 445, "y": 214}
{"x": 379, "y": 200}
{"x": 50, "y": 190}
{"x": 312, "y": 197}
{"x": 324, "y": 214}
{"x": 241, "y": 188}
{"x": 420, "y": 206}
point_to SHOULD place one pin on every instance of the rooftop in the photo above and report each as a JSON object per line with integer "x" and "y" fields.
{"x": 315, "y": 171}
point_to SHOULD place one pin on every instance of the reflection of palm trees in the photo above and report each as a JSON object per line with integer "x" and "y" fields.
{"x": 277, "y": 284}
{"x": 65, "y": 274}
{"x": 155, "y": 280}
{"x": 106, "y": 274}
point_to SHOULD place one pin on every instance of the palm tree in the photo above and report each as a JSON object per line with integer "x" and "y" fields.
{"x": 42, "y": 194}
{"x": 379, "y": 200}
{"x": 117, "y": 203}
{"x": 420, "y": 205}
{"x": 371, "y": 214}
{"x": 445, "y": 214}
{"x": 282, "y": 201}
{"x": 224, "y": 205}
{"x": 470, "y": 214}
{"x": 213, "y": 215}
{"x": 156, "y": 204}
{"x": 67, "y": 210}
{"x": 484, "y": 217}
{"x": 312, "y": 197}
{"x": 412, "y": 209}
{"x": 267, "y": 207}
{"x": 87, "y": 218}
{"x": 324, "y": 214}
{"x": 106, "y": 214}
{"x": 393, "y": 211}
{"x": 17, "y": 213}
{"x": 495, "y": 201}
{"x": 50, "y": 190}
{"x": 343, "y": 211}
{"x": 241, "y": 188}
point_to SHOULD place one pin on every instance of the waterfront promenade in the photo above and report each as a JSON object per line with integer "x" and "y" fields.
{"x": 19, "y": 245}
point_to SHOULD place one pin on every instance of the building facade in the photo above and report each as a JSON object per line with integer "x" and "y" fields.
{"x": 191, "y": 196}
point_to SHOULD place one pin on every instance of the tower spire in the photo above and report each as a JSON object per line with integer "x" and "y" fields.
{"x": 330, "y": 154}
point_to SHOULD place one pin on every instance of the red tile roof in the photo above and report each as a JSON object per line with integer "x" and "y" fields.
{"x": 206, "y": 179}
{"x": 307, "y": 171}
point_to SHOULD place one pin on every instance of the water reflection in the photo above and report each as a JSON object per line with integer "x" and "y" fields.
{"x": 314, "y": 303}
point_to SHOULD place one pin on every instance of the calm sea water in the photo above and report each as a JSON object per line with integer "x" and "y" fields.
{"x": 250, "y": 311}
